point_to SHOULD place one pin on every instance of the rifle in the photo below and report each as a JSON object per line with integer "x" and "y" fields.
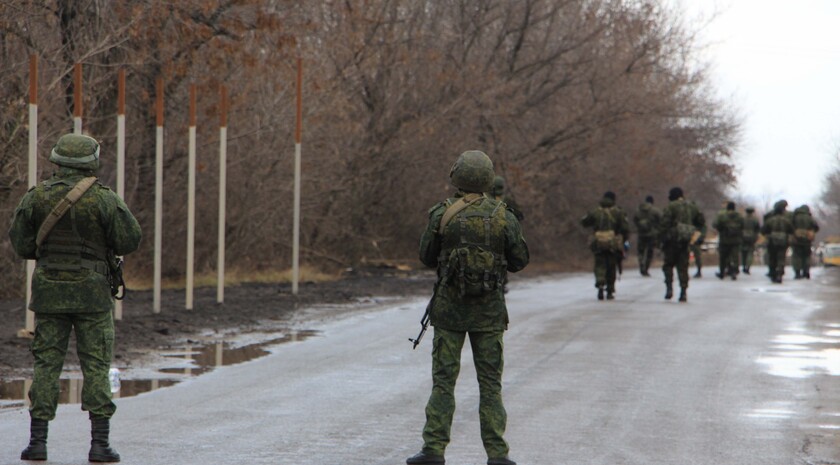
{"x": 424, "y": 322}
{"x": 115, "y": 275}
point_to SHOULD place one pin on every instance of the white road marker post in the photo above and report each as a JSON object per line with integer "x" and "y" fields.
{"x": 158, "y": 192}
{"x": 191, "y": 204}
{"x": 118, "y": 307}
{"x": 223, "y": 108}
{"x": 296, "y": 213}
{"x": 77, "y": 99}
{"x": 32, "y": 178}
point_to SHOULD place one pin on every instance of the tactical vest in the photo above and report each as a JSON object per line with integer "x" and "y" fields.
{"x": 65, "y": 249}
{"x": 472, "y": 249}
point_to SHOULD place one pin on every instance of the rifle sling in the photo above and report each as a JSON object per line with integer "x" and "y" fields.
{"x": 62, "y": 207}
{"x": 456, "y": 207}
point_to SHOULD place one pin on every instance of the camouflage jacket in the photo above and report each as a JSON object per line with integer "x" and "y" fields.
{"x": 677, "y": 212}
{"x": 647, "y": 219}
{"x": 751, "y": 229}
{"x": 778, "y": 222}
{"x": 101, "y": 219}
{"x": 730, "y": 227}
{"x": 450, "y": 310}
{"x": 802, "y": 219}
{"x": 607, "y": 217}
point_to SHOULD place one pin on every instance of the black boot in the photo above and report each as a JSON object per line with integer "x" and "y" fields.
{"x": 797, "y": 275}
{"x": 669, "y": 291}
{"x": 37, "y": 448}
{"x": 600, "y": 293}
{"x": 610, "y": 295}
{"x": 683, "y": 296}
{"x": 422, "y": 458}
{"x": 100, "y": 449}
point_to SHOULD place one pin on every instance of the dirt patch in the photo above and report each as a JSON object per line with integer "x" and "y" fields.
{"x": 246, "y": 308}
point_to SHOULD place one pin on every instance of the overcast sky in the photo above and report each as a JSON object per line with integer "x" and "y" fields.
{"x": 779, "y": 62}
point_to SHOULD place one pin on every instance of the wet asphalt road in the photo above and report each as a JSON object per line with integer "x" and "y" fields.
{"x": 745, "y": 373}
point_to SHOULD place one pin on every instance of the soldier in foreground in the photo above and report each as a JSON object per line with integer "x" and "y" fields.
{"x": 647, "y": 220}
{"x": 73, "y": 285}
{"x": 804, "y": 230}
{"x": 610, "y": 229}
{"x": 777, "y": 227}
{"x": 730, "y": 226}
{"x": 750, "y": 237}
{"x": 682, "y": 224}
{"x": 473, "y": 241}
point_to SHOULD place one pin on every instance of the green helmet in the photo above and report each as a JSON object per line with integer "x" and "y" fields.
{"x": 76, "y": 151}
{"x": 498, "y": 186}
{"x": 472, "y": 172}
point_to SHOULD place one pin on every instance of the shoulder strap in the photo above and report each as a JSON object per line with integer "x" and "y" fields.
{"x": 456, "y": 207}
{"x": 61, "y": 208}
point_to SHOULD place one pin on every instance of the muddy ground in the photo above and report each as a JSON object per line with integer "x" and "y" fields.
{"x": 247, "y": 308}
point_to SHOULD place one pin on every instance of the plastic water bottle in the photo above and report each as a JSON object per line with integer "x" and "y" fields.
{"x": 114, "y": 378}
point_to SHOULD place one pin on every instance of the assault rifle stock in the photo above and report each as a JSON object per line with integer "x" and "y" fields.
{"x": 115, "y": 275}
{"x": 424, "y": 323}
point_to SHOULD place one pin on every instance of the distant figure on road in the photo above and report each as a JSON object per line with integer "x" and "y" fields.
{"x": 499, "y": 193}
{"x": 473, "y": 241}
{"x": 778, "y": 225}
{"x": 610, "y": 229}
{"x": 73, "y": 285}
{"x": 804, "y": 230}
{"x": 730, "y": 227}
{"x": 750, "y": 235}
{"x": 682, "y": 225}
{"x": 646, "y": 219}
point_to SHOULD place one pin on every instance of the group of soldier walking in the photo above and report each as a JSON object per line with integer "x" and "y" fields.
{"x": 680, "y": 229}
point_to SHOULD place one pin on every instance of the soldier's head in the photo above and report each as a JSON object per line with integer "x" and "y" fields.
{"x": 649, "y": 199}
{"x": 804, "y": 208}
{"x": 730, "y": 206}
{"x": 76, "y": 151}
{"x": 472, "y": 172}
{"x": 750, "y": 210}
{"x": 675, "y": 193}
{"x": 609, "y": 195}
{"x": 498, "y": 186}
{"x": 780, "y": 206}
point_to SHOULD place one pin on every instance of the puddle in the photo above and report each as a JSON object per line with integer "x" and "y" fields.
{"x": 186, "y": 361}
{"x": 800, "y": 355}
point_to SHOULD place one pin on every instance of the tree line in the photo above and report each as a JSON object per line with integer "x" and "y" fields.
{"x": 568, "y": 97}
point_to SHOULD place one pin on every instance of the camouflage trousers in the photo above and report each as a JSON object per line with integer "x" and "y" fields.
{"x": 697, "y": 249}
{"x": 676, "y": 255}
{"x": 729, "y": 258}
{"x": 747, "y": 253}
{"x": 646, "y": 247}
{"x": 94, "y": 346}
{"x": 801, "y": 258}
{"x": 605, "y": 270}
{"x": 487, "y": 348}
{"x": 776, "y": 260}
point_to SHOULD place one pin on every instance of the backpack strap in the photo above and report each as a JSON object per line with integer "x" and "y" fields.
{"x": 456, "y": 207}
{"x": 61, "y": 208}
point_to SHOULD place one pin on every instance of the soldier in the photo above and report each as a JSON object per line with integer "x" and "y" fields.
{"x": 72, "y": 288}
{"x": 610, "y": 228}
{"x": 647, "y": 220}
{"x": 498, "y": 192}
{"x": 730, "y": 226}
{"x": 473, "y": 241}
{"x": 750, "y": 236}
{"x": 777, "y": 227}
{"x": 804, "y": 230}
{"x": 682, "y": 225}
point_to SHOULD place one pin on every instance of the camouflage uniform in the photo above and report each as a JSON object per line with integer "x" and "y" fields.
{"x": 675, "y": 248}
{"x": 730, "y": 226}
{"x": 646, "y": 219}
{"x": 607, "y": 217}
{"x": 70, "y": 287}
{"x": 804, "y": 228}
{"x": 778, "y": 225}
{"x": 750, "y": 236}
{"x": 498, "y": 193}
{"x": 488, "y": 225}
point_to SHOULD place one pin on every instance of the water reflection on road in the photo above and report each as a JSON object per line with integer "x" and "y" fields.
{"x": 190, "y": 360}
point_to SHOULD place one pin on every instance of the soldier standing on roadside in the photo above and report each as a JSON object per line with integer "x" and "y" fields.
{"x": 499, "y": 193}
{"x": 72, "y": 286}
{"x": 610, "y": 229}
{"x": 473, "y": 241}
{"x": 682, "y": 223}
{"x": 730, "y": 226}
{"x": 647, "y": 220}
{"x": 777, "y": 227}
{"x": 750, "y": 236}
{"x": 804, "y": 230}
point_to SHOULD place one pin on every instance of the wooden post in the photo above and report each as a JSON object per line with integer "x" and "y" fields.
{"x": 118, "y": 307}
{"x": 296, "y": 213}
{"x": 158, "y": 191}
{"x": 191, "y": 203}
{"x": 77, "y": 99}
{"x": 32, "y": 178}
{"x": 220, "y": 280}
